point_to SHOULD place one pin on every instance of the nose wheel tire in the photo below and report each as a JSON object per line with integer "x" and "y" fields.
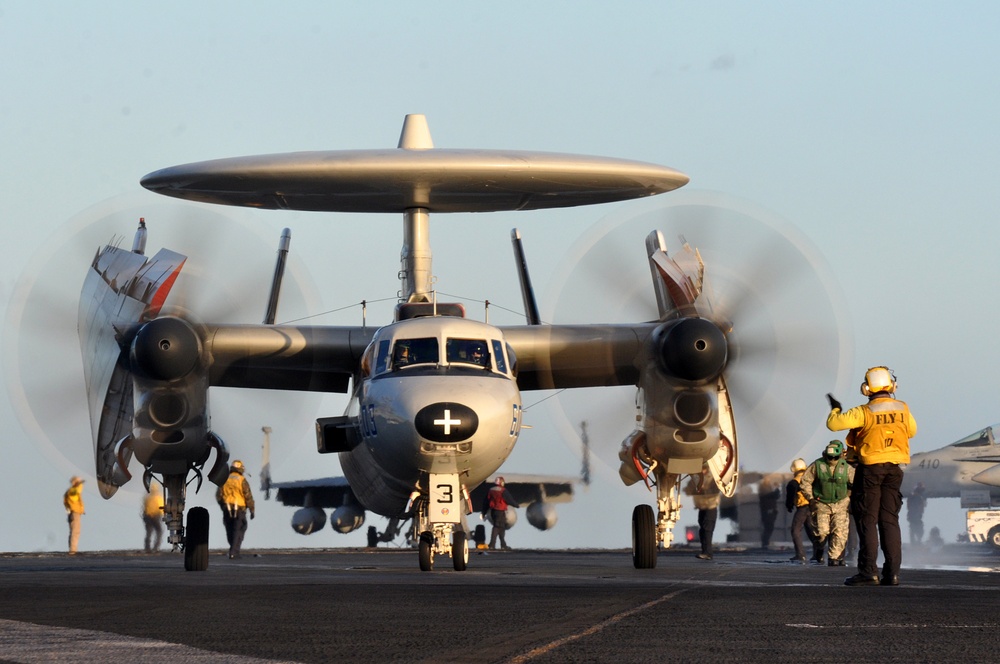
{"x": 460, "y": 551}
{"x": 426, "y": 550}
{"x": 196, "y": 540}
{"x": 643, "y": 537}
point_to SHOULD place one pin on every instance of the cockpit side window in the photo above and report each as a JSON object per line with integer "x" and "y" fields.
{"x": 382, "y": 358}
{"x": 469, "y": 351}
{"x": 498, "y": 355}
{"x": 409, "y": 352}
{"x": 513, "y": 360}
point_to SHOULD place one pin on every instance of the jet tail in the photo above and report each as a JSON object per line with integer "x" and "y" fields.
{"x": 527, "y": 292}
{"x": 677, "y": 281}
{"x": 279, "y": 273}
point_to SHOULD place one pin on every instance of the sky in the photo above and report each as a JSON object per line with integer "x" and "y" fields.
{"x": 869, "y": 130}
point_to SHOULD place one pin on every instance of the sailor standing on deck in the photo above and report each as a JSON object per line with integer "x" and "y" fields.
{"x": 880, "y": 434}
{"x": 497, "y": 500}
{"x": 235, "y": 499}
{"x": 73, "y": 502}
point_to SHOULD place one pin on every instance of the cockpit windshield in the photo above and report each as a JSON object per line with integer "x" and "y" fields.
{"x": 460, "y": 353}
{"x": 469, "y": 351}
{"x": 982, "y": 438}
{"x": 411, "y": 352}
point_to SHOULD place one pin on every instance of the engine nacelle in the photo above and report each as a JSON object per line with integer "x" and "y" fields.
{"x": 542, "y": 515}
{"x": 347, "y": 518}
{"x": 170, "y": 397}
{"x": 308, "y": 520}
{"x": 691, "y": 349}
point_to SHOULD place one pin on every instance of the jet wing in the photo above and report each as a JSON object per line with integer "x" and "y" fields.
{"x": 326, "y": 492}
{"x": 527, "y": 489}
{"x": 323, "y": 359}
{"x": 561, "y": 356}
{"x": 280, "y": 357}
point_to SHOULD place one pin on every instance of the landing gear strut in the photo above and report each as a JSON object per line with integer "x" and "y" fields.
{"x": 193, "y": 541}
{"x": 439, "y": 520}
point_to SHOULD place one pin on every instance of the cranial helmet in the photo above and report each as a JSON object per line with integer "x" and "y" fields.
{"x": 878, "y": 379}
{"x": 834, "y": 449}
{"x": 798, "y": 464}
{"x": 237, "y": 466}
{"x": 499, "y": 481}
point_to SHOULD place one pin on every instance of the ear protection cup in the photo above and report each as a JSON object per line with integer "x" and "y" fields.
{"x": 878, "y": 379}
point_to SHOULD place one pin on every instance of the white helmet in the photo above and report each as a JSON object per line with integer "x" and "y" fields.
{"x": 798, "y": 464}
{"x": 878, "y": 379}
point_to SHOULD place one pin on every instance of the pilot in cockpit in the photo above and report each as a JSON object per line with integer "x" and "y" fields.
{"x": 477, "y": 355}
{"x": 401, "y": 356}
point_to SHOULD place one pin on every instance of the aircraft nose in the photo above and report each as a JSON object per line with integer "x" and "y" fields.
{"x": 446, "y": 422}
{"x": 989, "y": 477}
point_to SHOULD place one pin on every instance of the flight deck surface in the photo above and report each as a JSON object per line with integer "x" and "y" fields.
{"x": 351, "y": 605}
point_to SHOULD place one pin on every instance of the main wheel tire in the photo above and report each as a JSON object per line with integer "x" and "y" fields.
{"x": 993, "y": 538}
{"x": 196, "y": 540}
{"x": 643, "y": 537}
{"x": 459, "y": 551}
{"x": 426, "y": 551}
{"x": 479, "y": 535}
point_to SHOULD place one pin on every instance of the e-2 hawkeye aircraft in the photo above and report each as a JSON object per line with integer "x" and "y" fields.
{"x": 435, "y": 405}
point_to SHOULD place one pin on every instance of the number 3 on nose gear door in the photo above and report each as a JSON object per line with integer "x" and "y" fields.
{"x": 445, "y": 503}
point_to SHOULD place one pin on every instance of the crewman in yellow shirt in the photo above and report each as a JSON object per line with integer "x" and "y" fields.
{"x": 73, "y": 502}
{"x": 880, "y": 433}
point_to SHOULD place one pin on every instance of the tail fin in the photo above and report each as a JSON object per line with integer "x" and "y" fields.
{"x": 677, "y": 282}
{"x": 527, "y": 292}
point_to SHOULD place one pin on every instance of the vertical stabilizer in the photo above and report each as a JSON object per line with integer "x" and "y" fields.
{"x": 279, "y": 272}
{"x": 527, "y": 292}
{"x": 676, "y": 283}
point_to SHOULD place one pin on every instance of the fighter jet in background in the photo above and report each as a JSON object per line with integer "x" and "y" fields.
{"x": 968, "y": 469}
{"x": 538, "y": 494}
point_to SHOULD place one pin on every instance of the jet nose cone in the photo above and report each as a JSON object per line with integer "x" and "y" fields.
{"x": 989, "y": 477}
{"x": 446, "y": 422}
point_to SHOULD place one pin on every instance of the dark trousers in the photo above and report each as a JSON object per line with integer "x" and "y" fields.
{"x": 499, "y": 520}
{"x": 768, "y": 515}
{"x": 877, "y": 504}
{"x": 706, "y": 528}
{"x": 799, "y": 520}
{"x": 236, "y": 527}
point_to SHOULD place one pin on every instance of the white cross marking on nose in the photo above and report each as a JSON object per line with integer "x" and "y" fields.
{"x": 447, "y": 422}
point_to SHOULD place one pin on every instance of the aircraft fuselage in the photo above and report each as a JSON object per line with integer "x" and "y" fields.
{"x": 429, "y": 405}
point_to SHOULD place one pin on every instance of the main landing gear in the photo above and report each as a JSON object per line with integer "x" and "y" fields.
{"x": 649, "y": 533}
{"x": 193, "y": 540}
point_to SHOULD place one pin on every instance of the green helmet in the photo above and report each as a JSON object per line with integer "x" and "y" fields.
{"x": 834, "y": 449}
